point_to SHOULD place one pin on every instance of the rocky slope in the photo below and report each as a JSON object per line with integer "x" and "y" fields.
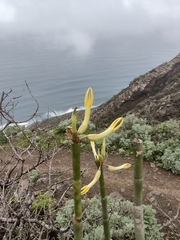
{"x": 154, "y": 95}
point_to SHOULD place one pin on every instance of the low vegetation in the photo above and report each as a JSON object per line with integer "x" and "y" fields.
{"x": 121, "y": 219}
{"x": 161, "y": 142}
{"x": 30, "y": 214}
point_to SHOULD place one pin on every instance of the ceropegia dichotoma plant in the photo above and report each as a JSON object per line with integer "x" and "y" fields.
{"x": 138, "y": 185}
{"x": 75, "y": 135}
{"x": 99, "y": 176}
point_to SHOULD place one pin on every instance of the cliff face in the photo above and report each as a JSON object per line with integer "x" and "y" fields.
{"x": 154, "y": 96}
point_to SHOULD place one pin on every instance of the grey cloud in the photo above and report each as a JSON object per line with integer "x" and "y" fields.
{"x": 80, "y": 23}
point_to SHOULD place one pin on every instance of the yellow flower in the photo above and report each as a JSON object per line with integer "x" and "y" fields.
{"x": 94, "y": 150}
{"x": 112, "y": 128}
{"x": 86, "y": 188}
{"x": 89, "y": 98}
{"x": 100, "y": 156}
{"x": 103, "y": 148}
{"x": 88, "y": 102}
{"x": 124, "y": 166}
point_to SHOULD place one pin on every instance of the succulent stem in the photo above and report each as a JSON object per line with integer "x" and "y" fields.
{"x": 138, "y": 184}
{"x": 77, "y": 218}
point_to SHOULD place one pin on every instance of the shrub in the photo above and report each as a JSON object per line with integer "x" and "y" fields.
{"x": 3, "y": 138}
{"x": 171, "y": 160}
{"x": 33, "y": 175}
{"x": 10, "y": 131}
{"x": 43, "y": 202}
{"x": 166, "y": 130}
{"x": 112, "y": 141}
{"x": 160, "y": 143}
{"x": 121, "y": 219}
{"x": 132, "y": 128}
{"x": 61, "y": 128}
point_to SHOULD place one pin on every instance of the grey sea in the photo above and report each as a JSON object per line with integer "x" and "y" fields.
{"x": 58, "y": 78}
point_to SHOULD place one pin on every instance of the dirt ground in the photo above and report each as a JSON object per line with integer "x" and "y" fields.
{"x": 160, "y": 188}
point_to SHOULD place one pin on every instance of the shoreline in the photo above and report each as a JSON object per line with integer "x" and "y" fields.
{"x": 51, "y": 122}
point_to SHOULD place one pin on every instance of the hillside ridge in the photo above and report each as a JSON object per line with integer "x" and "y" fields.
{"x": 154, "y": 96}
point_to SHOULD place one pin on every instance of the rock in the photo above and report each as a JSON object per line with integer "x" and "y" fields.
{"x": 116, "y": 195}
{"x": 152, "y": 165}
{"x": 24, "y": 184}
{"x": 98, "y": 196}
{"x": 168, "y": 205}
{"x": 43, "y": 180}
{"x": 155, "y": 193}
{"x": 151, "y": 196}
{"x": 170, "y": 213}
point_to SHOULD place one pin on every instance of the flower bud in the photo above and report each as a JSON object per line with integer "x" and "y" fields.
{"x": 124, "y": 166}
{"x": 115, "y": 125}
{"x": 86, "y": 188}
{"x": 88, "y": 102}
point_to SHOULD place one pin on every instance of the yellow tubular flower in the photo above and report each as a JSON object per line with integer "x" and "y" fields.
{"x": 88, "y": 102}
{"x": 103, "y": 148}
{"x": 112, "y": 128}
{"x": 86, "y": 188}
{"x": 124, "y": 166}
{"x": 94, "y": 150}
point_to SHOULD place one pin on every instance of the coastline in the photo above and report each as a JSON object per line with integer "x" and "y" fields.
{"x": 51, "y": 122}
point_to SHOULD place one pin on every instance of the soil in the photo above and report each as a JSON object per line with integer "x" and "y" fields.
{"x": 160, "y": 187}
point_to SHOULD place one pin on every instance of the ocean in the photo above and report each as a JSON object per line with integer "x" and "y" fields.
{"x": 58, "y": 78}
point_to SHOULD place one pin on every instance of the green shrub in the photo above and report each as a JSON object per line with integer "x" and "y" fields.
{"x": 61, "y": 128}
{"x": 160, "y": 143}
{"x": 33, "y": 175}
{"x": 10, "y": 131}
{"x": 121, "y": 219}
{"x": 166, "y": 130}
{"x": 13, "y": 130}
{"x": 43, "y": 202}
{"x": 3, "y": 138}
{"x": 112, "y": 141}
{"x": 171, "y": 160}
{"x": 132, "y": 128}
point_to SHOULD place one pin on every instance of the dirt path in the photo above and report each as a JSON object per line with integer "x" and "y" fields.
{"x": 161, "y": 188}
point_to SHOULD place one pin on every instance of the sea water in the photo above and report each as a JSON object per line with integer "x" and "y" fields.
{"x": 58, "y": 78}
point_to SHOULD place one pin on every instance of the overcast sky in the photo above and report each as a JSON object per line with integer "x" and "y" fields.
{"x": 80, "y": 23}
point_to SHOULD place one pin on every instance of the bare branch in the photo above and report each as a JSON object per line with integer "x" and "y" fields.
{"x": 171, "y": 220}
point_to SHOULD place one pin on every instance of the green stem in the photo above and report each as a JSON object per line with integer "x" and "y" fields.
{"x": 138, "y": 185}
{"x": 77, "y": 218}
{"x": 104, "y": 206}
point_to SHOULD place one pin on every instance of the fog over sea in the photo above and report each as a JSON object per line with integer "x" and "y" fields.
{"x": 59, "y": 78}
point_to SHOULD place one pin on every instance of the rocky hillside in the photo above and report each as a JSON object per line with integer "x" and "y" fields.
{"x": 154, "y": 95}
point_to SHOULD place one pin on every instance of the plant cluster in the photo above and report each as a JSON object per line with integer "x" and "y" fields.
{"x": 161, "y": 142}
{"x": 29, "y": 215}
{"x": 43, "y": 202}
{"x": 10, "y": 131}
{"x": 120, "y": 218}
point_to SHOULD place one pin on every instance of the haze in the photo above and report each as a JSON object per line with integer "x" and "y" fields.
{"x": 78, "y": 24}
